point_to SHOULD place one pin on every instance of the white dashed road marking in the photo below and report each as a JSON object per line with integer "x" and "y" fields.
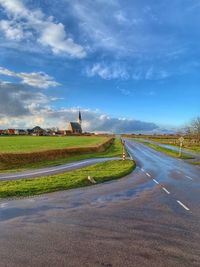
{"x": 3, "y": 205}
{"x": 148, "y": 174}
{"x": 166, "y": 190}
{"x": 180, "y": 203}
{"x": 155, "y": 181}
{"x": 189, "y": 177}
{"x": 142, "y": 170}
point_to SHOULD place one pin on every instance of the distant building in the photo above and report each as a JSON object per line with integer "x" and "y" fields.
{"x": 75, "y": 127}
{"x": 38, "y": 131}
{"x": 11, "y": 131}
{"x": 20, "y": 132}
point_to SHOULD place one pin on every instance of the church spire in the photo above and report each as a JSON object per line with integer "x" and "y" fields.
{"x": 79, "y": 118}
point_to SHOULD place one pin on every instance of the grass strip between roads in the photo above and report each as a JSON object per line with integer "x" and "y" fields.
{"x": 197, "y": 163}
{"x": 101, "y": 172}
{"x": 167, "y": 151}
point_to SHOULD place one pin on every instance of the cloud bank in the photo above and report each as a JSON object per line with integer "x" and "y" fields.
{"x": 23, "y": 107}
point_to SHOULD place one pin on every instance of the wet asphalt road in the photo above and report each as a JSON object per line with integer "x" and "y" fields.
{"x": 149, "y": 218}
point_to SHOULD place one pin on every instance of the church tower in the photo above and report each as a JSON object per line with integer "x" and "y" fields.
{"x": 75, "y": 127}
{"x": 79, "y": 118}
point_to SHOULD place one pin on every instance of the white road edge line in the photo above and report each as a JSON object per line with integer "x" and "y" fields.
{"x": 155, "y": 181}
{"x": 180, "y": 203}
{"x": 148, "y": 174}
{"x": 166, "y": 190}
{"x": 188, "y": 177}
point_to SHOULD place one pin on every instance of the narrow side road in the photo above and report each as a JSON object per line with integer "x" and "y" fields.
{"x": 52, "y": 170}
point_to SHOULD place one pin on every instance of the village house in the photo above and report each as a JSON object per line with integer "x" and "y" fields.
{"x": 20, "y": 132}
{"x": 10, "y": 131}
{"x": 37, "y": 131}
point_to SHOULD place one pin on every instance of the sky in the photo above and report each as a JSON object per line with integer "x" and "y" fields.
{"x": 128, "y": 65}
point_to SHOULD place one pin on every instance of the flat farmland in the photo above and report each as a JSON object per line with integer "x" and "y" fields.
{"x": 20, "y": 144}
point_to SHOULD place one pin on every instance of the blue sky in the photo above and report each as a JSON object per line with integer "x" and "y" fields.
{"x": 129, "y": 65}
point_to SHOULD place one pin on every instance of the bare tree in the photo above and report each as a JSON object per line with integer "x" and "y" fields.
{"x": 196, "y": 128}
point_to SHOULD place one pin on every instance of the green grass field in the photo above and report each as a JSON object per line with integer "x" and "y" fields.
{"x": 114, "y": 151}
{"x": 19, "y": 144}
{"x": 101, "y": 172}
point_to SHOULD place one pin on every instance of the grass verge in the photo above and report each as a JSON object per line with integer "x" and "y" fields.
{"x": 167, "y": 151}
{"x": 197, "y": 163}
{"x": 115, "y": 150}
{"x": 186, "y": 145}
{"x": 101, "y": 172}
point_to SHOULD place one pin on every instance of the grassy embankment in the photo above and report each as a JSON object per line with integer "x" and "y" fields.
{"x": 101, "y": 172}
{"x": 114, "y": 150}
{"x": 167, "y": 151}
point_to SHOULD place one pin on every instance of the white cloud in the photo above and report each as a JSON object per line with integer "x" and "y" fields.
{"x": 120, "y": 17}
{"x": 24, "y": 23}
{"x": 118, "y": 70}
{"x": 35, "y": 79}
{"x": 54, "y": 35}
{"x": 124, "y": 91}
{"x": 156, "y": 74}
{"x": 15, "y": 7}
{"x": 17, "y": 100}
{"x": 12, "y": 31}
{"x": 107, "y": 72}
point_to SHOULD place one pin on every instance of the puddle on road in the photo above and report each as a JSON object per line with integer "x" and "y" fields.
{"x": 123, "y": 195}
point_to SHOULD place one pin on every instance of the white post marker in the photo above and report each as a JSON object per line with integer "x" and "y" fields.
{"x": 181, "y": 139}
{"x": 91, "y": 180}
{"x": 124, "y": 154}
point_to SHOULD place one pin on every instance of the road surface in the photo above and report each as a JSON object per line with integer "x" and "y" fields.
{"x": 150, "y": 218}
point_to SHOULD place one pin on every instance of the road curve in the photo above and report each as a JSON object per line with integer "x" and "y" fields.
{"x": 35, "y": 173}
{"x": 149, "y": 218}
